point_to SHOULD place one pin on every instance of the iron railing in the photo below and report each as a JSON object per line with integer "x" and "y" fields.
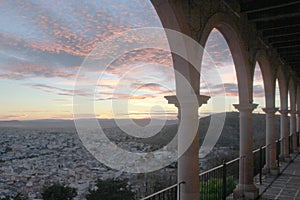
{"x": 297, "y": 139}
{"x": 169, "y": 193}
{"x": 218, "y": 183}
{"x": 291, "y": 144}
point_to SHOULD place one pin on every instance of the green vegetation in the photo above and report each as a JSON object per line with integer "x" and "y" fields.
{"x": 111, "y": 190}
{"x": 212, "y": 189}
{"x": 19, "y": 196}
{"x": 58, "y": 191}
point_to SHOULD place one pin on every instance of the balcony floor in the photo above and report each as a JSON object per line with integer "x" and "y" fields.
{"x": 286, "y": 185}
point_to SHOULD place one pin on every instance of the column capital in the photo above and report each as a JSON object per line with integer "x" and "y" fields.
{"x": 284, "y": 112}
{"x": 245, "y": 106}
{"x": 202, "y": 99}
{"x": 270, "y": 110}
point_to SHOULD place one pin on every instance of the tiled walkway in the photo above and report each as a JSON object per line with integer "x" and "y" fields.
{"x": 286, "y": 186}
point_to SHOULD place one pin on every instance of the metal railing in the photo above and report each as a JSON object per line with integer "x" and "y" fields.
{"x": 169, "y": 193}
{"x": 297, "y": 139}
{"x": 219, "y": 182}
{"x": 290, "y": 144}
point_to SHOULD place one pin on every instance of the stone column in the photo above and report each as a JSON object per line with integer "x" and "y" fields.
{"x": 298, "y": 121}
{"x": 298, "y": 124}
{"x": 284, "y": 135}
{"x": 293, "y": 131}
{"x": 271, "y": 166}
{"x": 188, "y": 162}
{"x": 246, "y": 189}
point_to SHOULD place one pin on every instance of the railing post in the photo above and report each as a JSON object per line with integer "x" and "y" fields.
{"x": 292, "y": 141}
{"x": 179, "y": 189}
{"x": 277, "y": 151}
{"x": 297, "y": 139}
{"x": 291, "y": 144}
{"x": 260, "y": 164}
{"x": 224, "y": 181}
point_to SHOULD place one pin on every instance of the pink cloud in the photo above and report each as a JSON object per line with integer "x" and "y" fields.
{"x": 58, "y": 90}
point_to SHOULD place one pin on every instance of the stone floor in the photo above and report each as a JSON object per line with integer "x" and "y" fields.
{"x": 286, "y": 186}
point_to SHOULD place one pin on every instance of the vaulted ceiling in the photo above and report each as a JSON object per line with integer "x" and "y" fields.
{"x": 278, "y": 23}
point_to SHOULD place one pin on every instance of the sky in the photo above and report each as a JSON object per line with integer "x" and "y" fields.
{"x": 44, "y": 43}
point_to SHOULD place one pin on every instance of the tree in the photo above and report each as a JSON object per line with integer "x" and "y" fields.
{"x": 58, "y": 191}
{"x": 111, "y": 190}
{"x": 19, "y": 196}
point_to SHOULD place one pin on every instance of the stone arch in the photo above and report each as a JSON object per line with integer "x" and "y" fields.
{"x": 269, "y": 79}
{"x": 172, "y": 17}
{"x": 225, "y": 25}
{"x": 283, "y": 89}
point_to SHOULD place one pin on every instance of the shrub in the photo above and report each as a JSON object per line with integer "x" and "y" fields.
{"x": 58, "y": 191}
{"x": 212, "y": 188}
{"x": 111, "y": 190}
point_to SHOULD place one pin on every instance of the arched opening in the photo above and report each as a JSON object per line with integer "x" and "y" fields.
{"x": 283, "y": 89}
{"x": 218, "y": 56}
{"x": 218, "y": 62}
{"x": 239, "y": 54}
{"x": 277, "y": 105}
{"x": 289, "y": 100}
{"x": 277, "y": 94}
{"x": 258, "y": 89}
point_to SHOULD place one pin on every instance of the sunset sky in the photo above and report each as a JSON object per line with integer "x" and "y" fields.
{"x": 43, "y": 44}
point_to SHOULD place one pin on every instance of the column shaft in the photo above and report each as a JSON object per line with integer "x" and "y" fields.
{"x": 246, "y": 188}
{"x": 284, "y": 134}
{"x": 293, "y": 131}
{"x": 188, "y": 162}
{"x": 188, "y": 145}
{"x": 298, "y": 121}
{"x": 271, "y": 165}
{"x": 298, "y": 126}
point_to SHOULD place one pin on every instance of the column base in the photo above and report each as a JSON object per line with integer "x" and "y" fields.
{"x": 296, "y": 150}
{"x": 265, "y": 170}
{"x": 275, "y": 171}
{"x": 247, "y": 192}
{"x": 271, "y": 170}
{"x": 285, "y": 158}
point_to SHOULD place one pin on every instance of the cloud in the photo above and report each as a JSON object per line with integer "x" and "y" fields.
{"x": 58, "y": 90}
{"x": 148, "y": 86}
{"x": 23, "y": 71}
{"x": 258, "y": 91}
{"x": 11, "y": 117}
{"x": 218, "y": 50}
{"x": 49, "y": 38}
{"x": 71, "y": 27}
{"x": 125, "y": 96}
{"x": 228, "y": 89}
{"x": 13, "y": 76}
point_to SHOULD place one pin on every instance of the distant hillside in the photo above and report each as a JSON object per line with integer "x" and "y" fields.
{"x": 230, "y": 132}
{"x": 59, "y": 123}
{"x": 229, "y": 135}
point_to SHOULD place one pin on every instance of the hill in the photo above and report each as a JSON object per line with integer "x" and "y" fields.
{"x": 230, "y": 133}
